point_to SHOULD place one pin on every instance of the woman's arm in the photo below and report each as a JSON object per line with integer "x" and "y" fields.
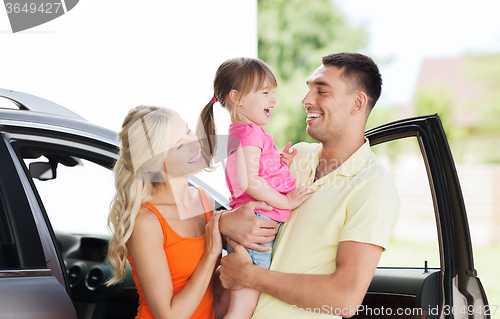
{"x": 211, "y": 202}
{"x": 248, "y": 162}
{"x": 221, "y": 297}
{"x": 146, "y": 248}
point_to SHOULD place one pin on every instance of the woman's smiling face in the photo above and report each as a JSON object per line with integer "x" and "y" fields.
{"x": 184, "y": 154}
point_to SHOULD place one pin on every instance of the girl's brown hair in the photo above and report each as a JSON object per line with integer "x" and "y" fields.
{"x": 240, "y": 74}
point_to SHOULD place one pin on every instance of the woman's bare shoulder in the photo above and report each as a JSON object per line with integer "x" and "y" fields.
{"x": 147, "y": 228}
{"x": 145, "y": 214}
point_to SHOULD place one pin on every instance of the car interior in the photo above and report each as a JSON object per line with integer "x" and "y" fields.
{"x": 63, "y": 179}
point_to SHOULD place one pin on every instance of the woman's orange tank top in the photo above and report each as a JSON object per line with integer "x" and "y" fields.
{"x": 183, "y": 255}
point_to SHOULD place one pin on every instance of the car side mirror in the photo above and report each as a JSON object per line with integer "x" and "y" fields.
{"x": 43, "y": 171}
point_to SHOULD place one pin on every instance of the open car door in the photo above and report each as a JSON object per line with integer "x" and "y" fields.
{"x": 450, "y": 288}
{"x": 32, "y": 283}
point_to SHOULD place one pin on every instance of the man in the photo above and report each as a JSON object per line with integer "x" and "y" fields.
{"x": 327, "y": 252}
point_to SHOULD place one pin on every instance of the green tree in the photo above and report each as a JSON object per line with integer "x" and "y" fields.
{"x": 293, "y": 37}
{"x": 486, "y": 71}
{"x": 438, "y": 99}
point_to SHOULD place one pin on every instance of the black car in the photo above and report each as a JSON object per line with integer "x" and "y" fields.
{"x": 51, "y": 161}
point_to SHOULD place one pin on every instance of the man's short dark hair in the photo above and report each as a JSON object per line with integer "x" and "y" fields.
{"x": 361, "y": 70}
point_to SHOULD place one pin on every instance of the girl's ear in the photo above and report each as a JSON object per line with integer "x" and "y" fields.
{"x": 234, "y": 97}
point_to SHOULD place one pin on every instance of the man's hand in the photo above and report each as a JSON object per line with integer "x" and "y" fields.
{"x": 286, "y": 156}
{"x": 235, "y": 266}
{"x": 248, "y": 230}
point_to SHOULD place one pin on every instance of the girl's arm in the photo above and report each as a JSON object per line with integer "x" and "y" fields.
{"x": 286, "y": 157}
{"x": 247, "y": 162}
{"x": 146, "y": 248}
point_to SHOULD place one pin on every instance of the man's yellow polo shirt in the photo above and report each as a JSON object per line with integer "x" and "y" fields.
{"x": 356, "y": 202}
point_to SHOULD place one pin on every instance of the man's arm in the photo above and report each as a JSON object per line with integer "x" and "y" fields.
{"x": 344, "y": 289}
{"x": 248, "y": 230}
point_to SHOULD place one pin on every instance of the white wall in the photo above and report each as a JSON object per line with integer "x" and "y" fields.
{"x": 104, "y": 57}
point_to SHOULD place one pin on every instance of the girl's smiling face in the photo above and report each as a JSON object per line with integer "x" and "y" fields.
{"x": 256, "y": 106}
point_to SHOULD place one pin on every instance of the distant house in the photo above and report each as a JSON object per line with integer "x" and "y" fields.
{"x": 466, "y": 93}
{"x": 454, "y": 75}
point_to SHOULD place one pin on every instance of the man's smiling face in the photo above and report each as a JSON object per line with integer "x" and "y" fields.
{"x": 327, "y": 104}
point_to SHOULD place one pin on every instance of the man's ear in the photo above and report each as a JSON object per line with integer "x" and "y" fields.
{"x": 234, "y": 97}
{"x": 360, "y": 102}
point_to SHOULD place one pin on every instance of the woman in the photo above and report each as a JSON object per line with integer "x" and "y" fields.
{"x": 163, "y": 227}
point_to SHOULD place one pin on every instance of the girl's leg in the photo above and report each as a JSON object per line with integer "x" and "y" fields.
{"x": 242, "y": 303}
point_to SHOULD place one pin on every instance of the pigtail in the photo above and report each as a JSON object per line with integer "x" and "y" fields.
{"x": 205, "y": 130}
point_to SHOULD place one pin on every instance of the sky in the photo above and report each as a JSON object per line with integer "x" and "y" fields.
{"x": 407, "y": 32}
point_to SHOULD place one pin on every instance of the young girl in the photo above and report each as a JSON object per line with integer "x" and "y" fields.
{"x": 164, "y": 228}
{"x": 253, "y": 170}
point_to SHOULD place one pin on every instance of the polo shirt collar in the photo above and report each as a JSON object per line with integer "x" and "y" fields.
{"x": 355, "y": 163}
{"x": 352, "y": 166}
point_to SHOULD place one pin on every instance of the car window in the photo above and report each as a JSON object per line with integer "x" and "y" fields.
{"x": 414, "y": 239}
{"x": 77, "y": 200}
{"x": 9, "y": 257}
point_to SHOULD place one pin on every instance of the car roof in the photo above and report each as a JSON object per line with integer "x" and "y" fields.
{"x": 36, "y": 110}
{"x": 25, "y": 101}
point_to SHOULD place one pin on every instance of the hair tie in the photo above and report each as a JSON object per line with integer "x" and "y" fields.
{"x": 214, "y": 100}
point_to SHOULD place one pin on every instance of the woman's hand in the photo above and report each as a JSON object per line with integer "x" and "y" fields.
{"x": 213, "y": 239}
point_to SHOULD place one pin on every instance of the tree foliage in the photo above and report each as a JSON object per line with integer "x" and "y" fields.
{"x": 486, "y": 71}
{"x": 438, "y": 99}
{"x": 470, "y": 113}
{"x": 293, "y": 37}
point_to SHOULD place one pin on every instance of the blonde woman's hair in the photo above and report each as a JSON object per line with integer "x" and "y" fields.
{"x": 144, "y": 141}
{"x": 238, "y": 74}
